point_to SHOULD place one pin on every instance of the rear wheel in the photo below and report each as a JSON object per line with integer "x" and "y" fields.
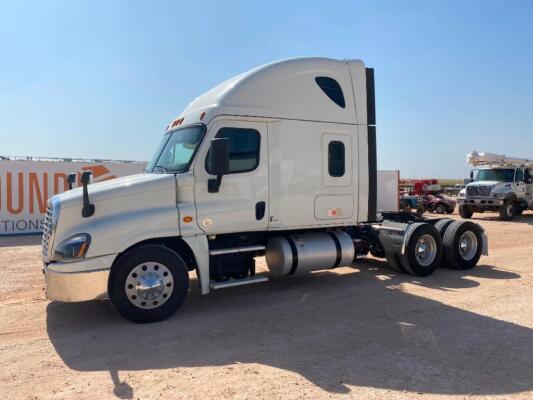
{"x": 463, "y": 244}
{"x": 507, "y": 210}
{"x": 440, "y": 209}
{"x": 148, "y": 284}
{"x": 465, "y": 211}
{"x": 441, "y": 225}
{"x": 423, "y": 250}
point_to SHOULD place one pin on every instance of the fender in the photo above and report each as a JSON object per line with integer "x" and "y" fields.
{"x": 200, "y": 248}
{"x": 511, "y": 196}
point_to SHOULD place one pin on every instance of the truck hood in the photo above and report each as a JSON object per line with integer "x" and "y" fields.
{"x": 484, "y": 183}
{"x": 118, "y": 187}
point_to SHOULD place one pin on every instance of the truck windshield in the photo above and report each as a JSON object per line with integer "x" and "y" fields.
{"x": 499, "y": 175}
{"x": 176, "y": 150}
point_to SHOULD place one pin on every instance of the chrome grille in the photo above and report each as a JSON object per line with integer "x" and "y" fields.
{"x": 47, "y": 230}
{"x": 478, "y": 191}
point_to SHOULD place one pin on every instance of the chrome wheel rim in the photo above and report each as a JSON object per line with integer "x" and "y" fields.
{"x": 468, "y": 245}
{"x": 149, "y": 285}
{"x": 425, "y": 250}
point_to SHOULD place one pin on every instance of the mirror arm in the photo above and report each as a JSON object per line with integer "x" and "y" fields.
{"x": 88, "y": 208}
{"x": 213, "y": 185}
{"x": 71, "y": 178}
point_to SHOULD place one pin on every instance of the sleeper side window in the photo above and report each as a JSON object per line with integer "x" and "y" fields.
{"x": 244, "y": 145}
{"x": 336, "y": 159}
{"x": 332, "y": 89}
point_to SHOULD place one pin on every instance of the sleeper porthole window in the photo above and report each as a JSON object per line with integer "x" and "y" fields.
{"x": 332, "y": 89}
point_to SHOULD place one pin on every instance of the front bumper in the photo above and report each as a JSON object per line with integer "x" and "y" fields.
{"x": 483, "y": 201}
{"x": 78, "y": 281}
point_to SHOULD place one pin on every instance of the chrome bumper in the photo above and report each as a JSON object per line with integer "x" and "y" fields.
{"x": 78, "y": 281}
{"x": 487, "y": 201}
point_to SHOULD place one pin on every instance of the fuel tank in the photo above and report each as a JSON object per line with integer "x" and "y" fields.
{"x": 299, "y": 253}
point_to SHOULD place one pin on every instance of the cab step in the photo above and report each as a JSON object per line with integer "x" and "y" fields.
{"x": 233, "y": 250}
{"x": 237, "y": 282}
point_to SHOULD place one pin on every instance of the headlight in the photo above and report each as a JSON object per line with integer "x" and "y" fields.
{"x": 462, "y": 193}
{"x": 499, "y": 195}
{"x": 73, "y": 248}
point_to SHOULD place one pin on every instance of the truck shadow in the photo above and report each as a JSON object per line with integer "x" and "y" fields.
{"x": 525, "y": 218}
{"x": 354, "y": 328}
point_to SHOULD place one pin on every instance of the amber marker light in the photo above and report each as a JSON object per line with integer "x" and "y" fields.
{"x": 187, "y": 219}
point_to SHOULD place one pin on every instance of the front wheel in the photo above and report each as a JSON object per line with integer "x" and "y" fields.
{"x": 465, "y": 211}
{"x": 507, "y": 210}
{"x": 148, "y": 284}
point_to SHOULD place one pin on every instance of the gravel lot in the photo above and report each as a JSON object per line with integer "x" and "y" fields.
{"x": 362, "y": 332}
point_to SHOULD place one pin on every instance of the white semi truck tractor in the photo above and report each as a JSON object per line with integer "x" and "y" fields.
{"x": 498, "y": 183}
{"x": 279, "y": 161}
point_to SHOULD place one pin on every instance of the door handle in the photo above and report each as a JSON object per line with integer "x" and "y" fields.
{"x": 260, "y": 210}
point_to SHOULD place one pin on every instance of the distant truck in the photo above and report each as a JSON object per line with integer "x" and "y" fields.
{"x": 499, "y": 183}
{"x": 280, "y": 162}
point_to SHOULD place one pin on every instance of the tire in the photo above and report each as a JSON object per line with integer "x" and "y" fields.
{"x": 457, "y": 255}
{"x": 508, "y": 210}
{"x": 441, "y": 225}
{"x": 440, "y": 208}
{"x": 377, "y": 251}
{"x": 420, "y": 210}
{"x": 450, "y": 210}
{"x": 160, "y": 267}
{"x": 465, "y": 211}
{"x": 425, "y": 262}
{"x": 394, "y": 262}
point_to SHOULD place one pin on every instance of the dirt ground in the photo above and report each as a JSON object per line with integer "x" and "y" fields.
{"x": 362, "y": 332}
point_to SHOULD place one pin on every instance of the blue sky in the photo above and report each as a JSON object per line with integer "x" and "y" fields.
{"x": 101, "y": 79}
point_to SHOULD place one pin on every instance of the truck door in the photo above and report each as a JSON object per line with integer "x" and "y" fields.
{"x": 241, "y": 204}
{"x": 520, "y": 184}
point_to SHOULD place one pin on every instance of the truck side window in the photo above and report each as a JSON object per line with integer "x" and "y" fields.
{"x": 527, "y": 176}
{"x": 336, "y": 159}
{"x": 332, "y": 89}
{"x": 519, "y": 175}
{"x": 244, "y": 147}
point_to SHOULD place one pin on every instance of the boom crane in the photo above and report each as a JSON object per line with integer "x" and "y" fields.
{"x": 502, "y": 184}
{"x": 474, "y": 158}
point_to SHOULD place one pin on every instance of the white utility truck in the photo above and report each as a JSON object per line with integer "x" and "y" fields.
{"x": 500, "y": 183}
{"x": 278, "y": 161}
